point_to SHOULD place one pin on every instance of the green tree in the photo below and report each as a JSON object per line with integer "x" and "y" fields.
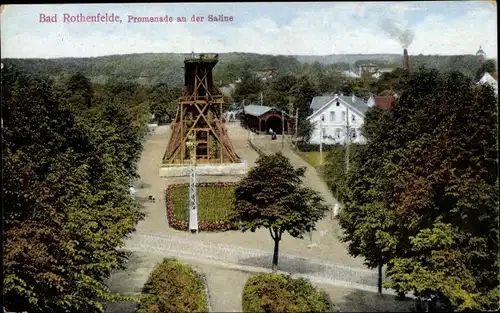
{"x": 424, "y": 191}
{"x": 444, "y": 185}
{"x": 394, "y": 81}
{"x": 489, "y": 66}
{"x": 279, "y": 92}
{"x": 361, "y": 87}
{"x": 271, "y": 196}
{"x": 66, "y": 203}
{"x": 249, "y": 89}
{"x": 81, "y": 91}
{"x": 303, "y": 92}
{"x": 164, "y": 102}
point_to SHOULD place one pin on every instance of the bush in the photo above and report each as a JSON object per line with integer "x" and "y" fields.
{"x": 281, "y": 293}
{"x": 173, "y": 287}
{"x": 334, "y": 171}
{"x": 215, "y": 206}
{"x": 307, "y": 147}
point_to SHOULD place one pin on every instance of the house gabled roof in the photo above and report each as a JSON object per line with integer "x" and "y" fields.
{"x": 491, "y": 78}
{"x": 259, "y": 110}
{"x": 256, "y": 110}
{"x": 319, "y": 103}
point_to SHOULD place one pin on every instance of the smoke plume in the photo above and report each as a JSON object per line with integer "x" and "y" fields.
{"x": 404, "y": 37}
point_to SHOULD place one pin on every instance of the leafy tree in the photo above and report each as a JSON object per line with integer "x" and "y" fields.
{"x": 303, "y": 92}
{"x": 424, "y": 192}
{"x": 394, "y": 81}
{"x": 279, "y": 92}
{"x": 271, "y": 196}
{"x": 66, "y": 202}
{"x": 445, "y": 183}
{"x": 489, "y": 66}
{"x": 249, "y": 89}
{"x": 330, "y": 82}
{"x": 361, "y": 87}
{"x": 305, "y": 130}
{"x": 81, "y": 91}
{"x": 341, "y": 66}
{"x": 164, "y": 102}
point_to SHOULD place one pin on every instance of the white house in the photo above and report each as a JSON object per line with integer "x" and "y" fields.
{"x": 491, "y": 80}
{"x": 333, "y": 115}
{"x": 350, "y": 74}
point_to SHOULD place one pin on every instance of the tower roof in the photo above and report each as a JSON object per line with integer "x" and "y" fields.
{"x": 480, "y": 51}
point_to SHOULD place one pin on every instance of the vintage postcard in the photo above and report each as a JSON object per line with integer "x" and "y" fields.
{"x": 250, "y": 157}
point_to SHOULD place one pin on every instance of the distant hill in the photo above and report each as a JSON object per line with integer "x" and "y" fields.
{"x": 166, "y": 68}
{"x": 347, "y": 58}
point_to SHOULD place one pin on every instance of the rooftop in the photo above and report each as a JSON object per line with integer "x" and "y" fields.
{"x": 259, "y": 110}
{"x": 256, "y": 110}
{"x": 358, "y": 103}
{"x": 480, "y": 51}
{"x": 384, "y": 102}
{"x": 209, "y": 57}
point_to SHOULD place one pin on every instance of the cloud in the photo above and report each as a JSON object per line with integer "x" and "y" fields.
{"x": 323, "y": 29}
{"x": 437, "y": 35}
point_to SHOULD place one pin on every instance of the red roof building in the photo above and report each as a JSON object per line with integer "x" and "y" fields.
{"x": 384, "y": 102}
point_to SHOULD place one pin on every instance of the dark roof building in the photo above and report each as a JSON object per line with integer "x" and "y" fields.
{"x": 261, "y": 118}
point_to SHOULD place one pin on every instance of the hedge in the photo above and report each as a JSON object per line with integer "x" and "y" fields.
{"x": 175, "y": 288}
{"x": 306, "y": 147}
{"x": 280, "y": 293}
{"x": 181, "y": 223}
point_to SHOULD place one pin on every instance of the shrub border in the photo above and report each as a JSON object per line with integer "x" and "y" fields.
{"x": 203, "y": 226}
{"x": 331, "y": 306}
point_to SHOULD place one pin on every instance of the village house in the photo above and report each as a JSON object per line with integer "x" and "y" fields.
{"x": 350, "y": 74}
{"x": 367, "y": 69}
{"x": 335, "y": 115}
{"x": 490, "y": 79}
{"x": 384, "y": 100}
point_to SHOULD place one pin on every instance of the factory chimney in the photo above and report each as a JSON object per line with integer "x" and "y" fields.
{"x": 406, "y": 63}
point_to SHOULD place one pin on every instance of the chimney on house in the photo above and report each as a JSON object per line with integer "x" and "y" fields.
{"x": 406, "y": 63}
{"x": 353, "y": 98}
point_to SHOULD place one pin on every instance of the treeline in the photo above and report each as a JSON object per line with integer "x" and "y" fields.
{"x": 70, "y": 154}
{"x": 157, "y": 68}
{"x": 421, "y": 197}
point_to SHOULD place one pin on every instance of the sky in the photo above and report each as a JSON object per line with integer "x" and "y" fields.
{"x": 293, "y": 28}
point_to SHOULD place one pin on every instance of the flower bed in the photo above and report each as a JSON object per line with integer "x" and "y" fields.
{"x": 215, "y": 206}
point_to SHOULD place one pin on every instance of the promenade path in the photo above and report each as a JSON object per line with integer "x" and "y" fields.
{"x": 325, "y": 263}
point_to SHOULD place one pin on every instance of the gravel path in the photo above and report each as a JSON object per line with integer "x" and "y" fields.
{"x": 325, "y": 262}
{"x": 226, "y": 284}
{"x": 318, "y": 270}
{"x": 326, "y": 243}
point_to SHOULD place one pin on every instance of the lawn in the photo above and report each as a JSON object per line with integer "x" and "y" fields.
{"x": 313, "y": 158}
{"x": 215, "y": 205}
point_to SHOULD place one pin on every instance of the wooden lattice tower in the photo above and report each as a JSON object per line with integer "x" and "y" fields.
{"x": 200, "y": 114}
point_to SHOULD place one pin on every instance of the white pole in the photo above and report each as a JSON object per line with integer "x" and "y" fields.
{"x": 320, "y": 142}
{"x": 347, "y": 139}
{"x": 282, "y": 129}
{"x": 296, "y": 125}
